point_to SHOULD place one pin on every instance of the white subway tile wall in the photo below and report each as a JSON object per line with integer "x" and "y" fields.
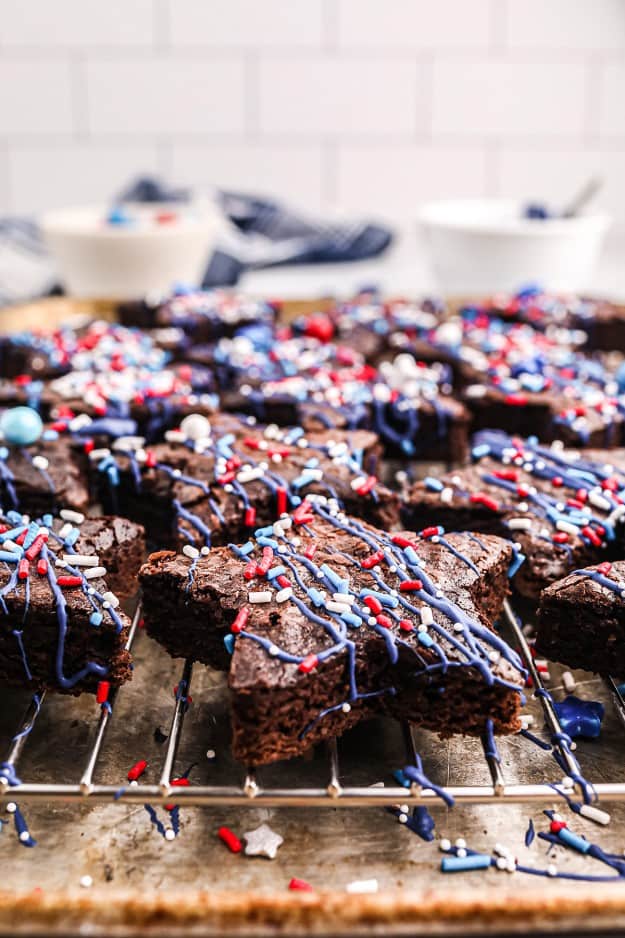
{"x": 354, "y": 106}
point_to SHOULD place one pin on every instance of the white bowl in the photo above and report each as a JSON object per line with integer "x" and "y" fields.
{"x": 485, "y": 245}
{"x": 98, "y": 259}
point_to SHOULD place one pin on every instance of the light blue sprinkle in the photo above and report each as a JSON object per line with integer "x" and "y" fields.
{"x": 425, "y": 639}
{"x": 229, "y": 643}
{"x": 482, "y": 450}
{"x": 275, "y": 572}
{"x": 263, "y": 532}
{"x": 433, "y": 484}
{"x": 267, "y": 542}
{"x": 95, "y": 618}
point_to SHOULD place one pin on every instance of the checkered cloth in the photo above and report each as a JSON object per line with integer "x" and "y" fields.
{"x": 262, "y": 233}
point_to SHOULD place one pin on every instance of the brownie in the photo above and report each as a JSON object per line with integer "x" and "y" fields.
{"x": 562, "y": 507}
{"x": 581, "y": 619}
{"x": 326, "y": 635}
{"x": 604, "y": 325}
{"x": 49, "y": 474}
{"x": 205, "y": 315}
{"x": 236, "y": 476}
{"x": 63, "y": 628}
{"x": 156, "y": 399}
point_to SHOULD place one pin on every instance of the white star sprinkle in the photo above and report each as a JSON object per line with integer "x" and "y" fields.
{"x": 262, "y": 842}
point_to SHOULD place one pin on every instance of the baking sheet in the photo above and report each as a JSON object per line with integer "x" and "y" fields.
{"x": 144, "y": 884}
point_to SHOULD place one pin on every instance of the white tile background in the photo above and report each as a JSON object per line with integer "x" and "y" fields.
{"x": 359, "y": 106}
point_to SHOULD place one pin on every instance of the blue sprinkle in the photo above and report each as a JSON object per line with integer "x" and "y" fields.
{"x": 229, "y": 643}
{"x": 530, "y": 833}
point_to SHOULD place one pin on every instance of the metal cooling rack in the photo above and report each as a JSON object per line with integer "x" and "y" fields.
{"x": 250, "y": 791}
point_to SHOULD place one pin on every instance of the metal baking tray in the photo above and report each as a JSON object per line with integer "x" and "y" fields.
{"x": 88, "y": 821}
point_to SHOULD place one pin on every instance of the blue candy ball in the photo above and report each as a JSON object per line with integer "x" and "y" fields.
{"x": 20, "y": 426}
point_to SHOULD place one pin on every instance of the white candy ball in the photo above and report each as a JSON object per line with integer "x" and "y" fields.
{"x": 195, "y": 427}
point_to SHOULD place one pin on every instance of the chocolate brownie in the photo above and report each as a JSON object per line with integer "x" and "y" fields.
{"x": 155, "y": 399}
{"x": 205, "y": 315}
{"x": 49, "y": 474}
{"x": 332, "y": 621}
{"x": 60, "y": 579}
{"x": 213, "y": 482}
{"x": 562, "y": 507}
{"x": 581, "y": 619}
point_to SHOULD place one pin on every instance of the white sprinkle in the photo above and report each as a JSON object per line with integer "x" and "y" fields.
{"x": 25, "y": 836}
{"x": 444, "y": 845}
{"x": 210, "y": 754}
{"x": 76, "y": 517}
{"x": 129, "y": 443}
{"x": 402, "y": 818}
{"x": 65, "y": 530}
{"x": 461, "y": 852}
{"x": 11, "y": 545}
{"x": 190, "y": 551}
{"x": 111, "y": 599}
{"x": 92, "y": 573}
{"x": 81, "y": 560}
{"x": 501, "y": 850}
{"x": 510, "y": 865}
{"x": 346, "y": 708}
{"x": 77, "y": 423}
{"x": 567, "y": 527}
{"x": 527, "y": 720}
{"x": 594, "y": 814}
{"x": 248, "y": 475}
{"x": 337, "y": 607}
{"x": 97, "y": 454}
{"x": 11, "y": 807}
{"x": 520, "y": 524}
{"x": 460, "y": 842}
{"x": 343, "y": 598}
{"x": 358, "y": 483}
{"x": 175, "y": 436}
{"x": 427, "y": 617}
{"x": 361, "y": 886}
{"x": 501, "y": 863}
{"x": 552, "y": 870}
{"x": 40, "y": 462}
{"x": 447, "y": 495}
{"x": 86, "y": 882}
{"x": 273, "y": 650}
{"x": 283, "y": 595}
{"x": 260, "y": 596}
{"x": 494, "y": 656}
{"x": 569, "y": 682}
{"x": 169, "y": 834}
{"x": 599, "y": 501}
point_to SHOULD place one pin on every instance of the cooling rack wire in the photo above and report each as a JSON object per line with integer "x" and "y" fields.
{"x": 248, "y": 789}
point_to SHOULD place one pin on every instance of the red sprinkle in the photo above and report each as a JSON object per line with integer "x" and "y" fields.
{"x": 35, "y": 547}
{"x": 410, "y": 586}
{"x": 604, "y": 567}
{"x": 367, "y": 486}
{"x": 372, "y": 561}
{"x": 432, "y": 531}
{"x": 22, "y": 569}
{"x": 102, "y": 691}
{"x": 385, "y": 621}
{"x": 406, "y": 625}
{"x": 265, "y": 564}
{"x": 402, "y": 541}
{"x": 515, "y": 400}
{"x": 42, "y": 567}
{"x": 137, "y": 770}
{"x": 309, "y": 664}
{"x": 556, "y": 826}
{"x": 250, "y": 570}
{"x": 560, "y": 538}
{"x": 230, "y": 839}
{"x": 283, "y": 581}
{"x": 481, "y": 499}
{"x": 310, "y": 551}
{"x": 250, "y": 517}
{"x": 241, "y": 618}
{"x": 300, "y": 885}
{"x": 510, "y": 475}
{"x": 177, "y": 783}
{"x": 592, "y": 536}
{"x": 281, "y": 500}
{"x": 373, "y": 604}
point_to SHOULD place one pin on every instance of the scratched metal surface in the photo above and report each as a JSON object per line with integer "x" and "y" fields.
{"x": 117, "y": 846}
